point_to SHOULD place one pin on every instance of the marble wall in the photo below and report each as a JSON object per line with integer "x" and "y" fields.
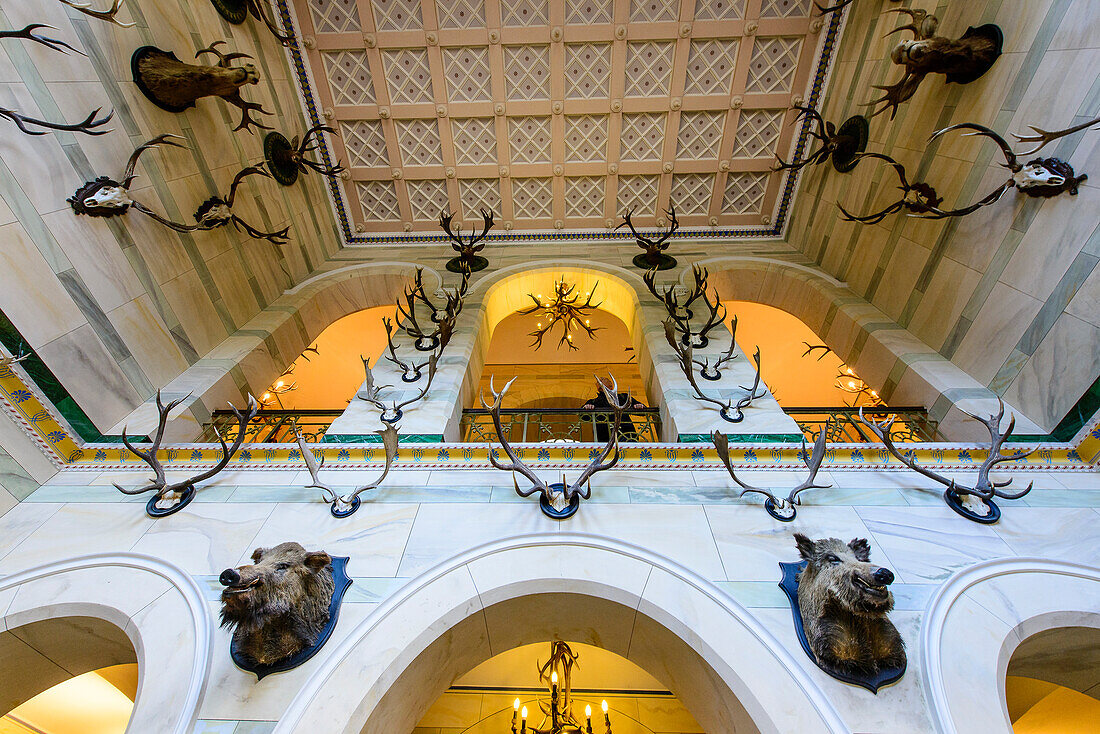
{"x": 118, "y": 308}
{"x": 1008, "y": 294}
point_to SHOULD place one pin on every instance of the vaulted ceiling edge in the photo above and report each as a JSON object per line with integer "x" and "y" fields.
{"x": 562, "y": 152}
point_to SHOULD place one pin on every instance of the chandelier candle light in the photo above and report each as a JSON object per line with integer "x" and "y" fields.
{"x": 562, "y": 309}
{"x": 559, "y": 709}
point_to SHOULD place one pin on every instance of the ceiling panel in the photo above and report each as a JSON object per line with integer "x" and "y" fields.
{"x": 560, "y": 115}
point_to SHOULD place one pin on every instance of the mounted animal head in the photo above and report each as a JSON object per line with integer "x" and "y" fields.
{"x": 103, "y": 197}
{"x": 278, "y": 605}
{"x": 841, "y": 574}
{"x": 1047, "y": 177}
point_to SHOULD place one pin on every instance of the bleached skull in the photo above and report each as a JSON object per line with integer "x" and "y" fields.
{"x": 1036, "y": 174}
{"x": 108, "y": 197}
{"x": 217, "y": 214}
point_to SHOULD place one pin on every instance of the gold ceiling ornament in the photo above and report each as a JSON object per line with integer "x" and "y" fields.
{"x": 562, "y": 309}
{"x": 558, "y": 715}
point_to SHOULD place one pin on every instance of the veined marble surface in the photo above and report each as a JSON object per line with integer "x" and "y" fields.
{"x": 419, "y": 519}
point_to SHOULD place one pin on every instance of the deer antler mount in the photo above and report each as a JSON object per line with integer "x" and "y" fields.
{"x": 175, "y": 86}
{"x": 468, "y": 261}
{"x": 843, "y": 145}
{"x": 342, "y": 505}
{"x": 288, "y": 158}
{"x": 237, "y": 11}
{"x": 654, "y": 256}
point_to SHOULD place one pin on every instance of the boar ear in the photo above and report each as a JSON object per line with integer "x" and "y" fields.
{"x": 861, "y": 548}
{"x": 805, "y": 546}
{"x": 316, "y": 560}
{"x": 258, "y": 554}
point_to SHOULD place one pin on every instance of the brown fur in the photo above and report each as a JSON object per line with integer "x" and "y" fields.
{"x": 846, "y": 622}
{"x": 278, "y": 606}
{"x": 179, "y": 84}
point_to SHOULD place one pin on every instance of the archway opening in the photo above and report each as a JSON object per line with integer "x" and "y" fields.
{"x": 1053, "y": 682}
{"x": 483, "y": 700}
{"x": 67, "y": 675}
{"x": 812, "y": 383}
{"x": 555, "y": 396}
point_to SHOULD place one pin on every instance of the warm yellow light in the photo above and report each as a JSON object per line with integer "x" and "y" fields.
{"x": 554, "y": 678}
{"x": 515, "y": 704}
{"x": 604, "y": 704}
{"x": 588, "y": 712}
{"x": 266, "y": 397}
{"x": 874, "y": 393}
{"x": 540, "y": 324}
{"x": 849, "y": 371}
{"x": 586, "y": 321}
{"x": 523, "y": 713}
{"x": 279, "y": 384}
{"x": 851, "y": 383}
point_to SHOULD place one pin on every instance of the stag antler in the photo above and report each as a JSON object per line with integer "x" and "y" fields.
{"x": 28, "y": 34}
{"x": 984, "y": 488}
{"x": 729, "y": 410}
{"x": 258, "y": 10}
{"x": 370, "y": 392}
{"x": 172, "y": 497}
{"x": 462, "y": 247}
{"x": 235, "y": 98}
{"x": 344, "y": 505}
{"x": 217, "y": 211}
{"x": 411, "y": 372}
{"x": 107, "y": 15}
{"x": 925, "y": 198}
{"x": 558, "y": 499}
{"x": 781, "y": 508}
{"x": 393, "y": 413}
{"x": 88, "y": 125}
{"x": 652, "y": 247}
{"x": 311, "y": 142}
{"x": 832, "y": 8}
{"x": 825, "y": 134}
{"x": 1042, "y": 137}
{"x": 810, "y": 348}
{"x": 706, "y": 371}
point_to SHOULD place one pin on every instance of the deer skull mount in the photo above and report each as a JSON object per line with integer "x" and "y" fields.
{"x": 731, "y": 411}
{"x": 559, "y": 500}
{"x": 217, "y": 211}
{"x": 468, "y": 261}
{"x": 343, "y": 505}
{"x": 974, "y": 503}
{"x": 782, "y": 509}
{"x": 89, "y": 125}
{"x": 962, "y": 60}
{"x": 106, "y": 197}
{"x": 286, "y": 159}
{"x": 171, "y": 498}
{"x": 237, "y": 11}
{"x": 654, "y": 257}
{"x": 175, "y": 86}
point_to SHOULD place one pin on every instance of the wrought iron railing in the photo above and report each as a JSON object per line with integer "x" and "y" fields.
{"x": 272, "y": 426}
{"x": 911, "y": 425}
{"x": 641, "y": 425}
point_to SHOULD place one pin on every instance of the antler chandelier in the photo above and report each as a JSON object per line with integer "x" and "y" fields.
{"x": 559, "y": 709}
{"x": 562, "y": 309}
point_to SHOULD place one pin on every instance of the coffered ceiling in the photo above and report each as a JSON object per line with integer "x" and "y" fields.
{"x": 560, "y": 114}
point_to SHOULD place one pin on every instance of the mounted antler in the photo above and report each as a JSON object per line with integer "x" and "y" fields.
{"x": 237, "y": 12}
{"x": 781, "y": 508}
{"x": 425, "y": 341}
{"x": 822, "y": 10}
{"x": 1042, "y": 137}
{"x": 706, "y": 371}
{"x": 106, "y": 197}
{"x": 982, "y": 509}
{"x": 410, "y": 372}
{"x": 88, "y": 126}
{"x": 564, "y": 310}
{"x": 175, "y": 86}
{"x": 961, "y": 60}
{"x": 468, "y": 259}
{"x": 810, "y": 348}
{"x": 841, "y": 145}
{"x": 679, "y": 309}
{"x": 454, "y": 298}
{"x": 924, "y": 197}
{"x": 217, "y": 211}
{"x": 107, "y": 15}
{"x": 730, "y": 411}
{"x": 288, "y": 158}
{"x": 1041, "y": 177}
{"x": 173, "y": 497}
{"x": 654, "y": 255}
{"x": 393, "y": 412}
{"x": 344, "y": 505}
{"x": 558, "y": 500}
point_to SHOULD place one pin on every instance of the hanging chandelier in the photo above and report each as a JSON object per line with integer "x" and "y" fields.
{"x": 565, "y": 310}
{"x": 849, "y": 382}
{"x": 557, "y": 713}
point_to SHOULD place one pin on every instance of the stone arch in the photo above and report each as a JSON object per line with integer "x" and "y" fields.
{"x": 989, "y": 609}
{"x": 711, "y": 652}
{"x": 119, "y": 599}
{"x": 903, "y": 369}
{"x": 254, "y": 356}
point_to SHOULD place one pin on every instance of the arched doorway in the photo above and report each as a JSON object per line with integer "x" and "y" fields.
{"x": 729, "y": 671}
{"x": 1053, "y": 682}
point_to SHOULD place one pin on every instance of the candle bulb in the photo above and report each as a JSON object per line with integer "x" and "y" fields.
{"x": 515, "y": 709}
{"x": 588, "y": 719}
{"x": 606, "y": 718}
{"x": 523, "y": 724}
{"x": 554, "y": 684}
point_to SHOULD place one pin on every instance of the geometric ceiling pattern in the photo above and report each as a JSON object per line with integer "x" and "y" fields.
{"x": 559, "y": 114}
